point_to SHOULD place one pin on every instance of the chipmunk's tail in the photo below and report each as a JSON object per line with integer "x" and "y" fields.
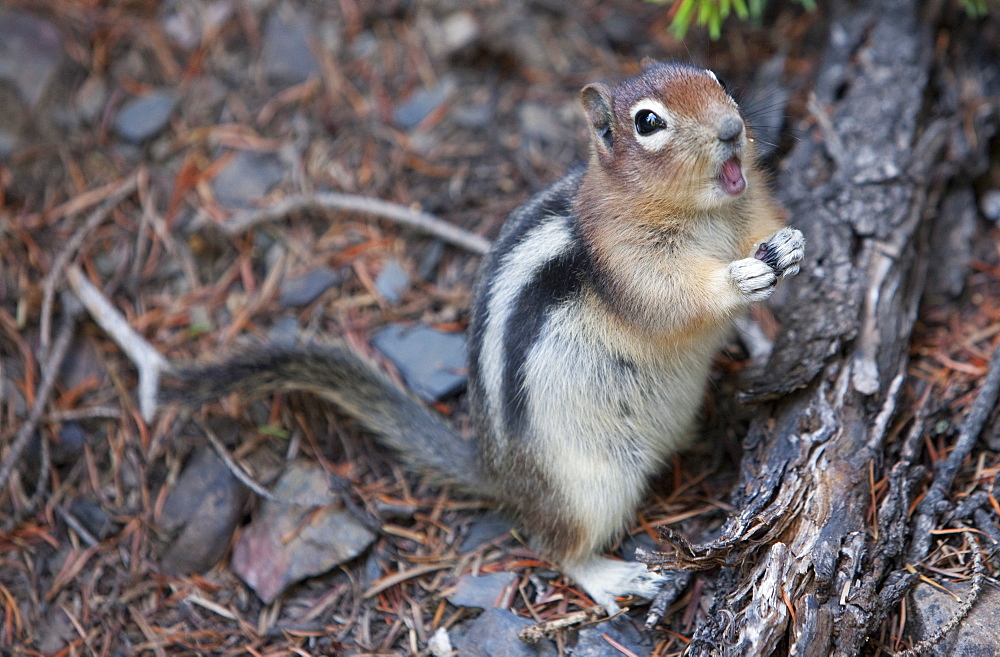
{"x": 425, "y": 442}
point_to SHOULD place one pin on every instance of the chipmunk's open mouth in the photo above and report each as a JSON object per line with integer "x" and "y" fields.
{"x": 731, "y": 177}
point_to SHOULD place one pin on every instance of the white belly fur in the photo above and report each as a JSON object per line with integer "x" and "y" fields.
{"x": 603, "y": 454}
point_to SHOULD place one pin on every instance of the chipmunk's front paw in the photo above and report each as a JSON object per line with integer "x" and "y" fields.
{"x": 783, "y": 251}
{"x": 755, "y": 279}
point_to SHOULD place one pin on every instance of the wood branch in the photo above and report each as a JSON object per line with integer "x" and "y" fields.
{"x": 148, "y": 361}
{"x": 337, "y": 202}
{"x": 802, "y": 570}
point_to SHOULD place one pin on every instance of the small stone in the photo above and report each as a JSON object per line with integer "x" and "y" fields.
{"x": 439, "y": 644}
{"x": 93, "y": 518}
{"x": 481, "y": 591}
{"x": 146, "y": 116}
{"x": 484, "y": 528}
{"x": 287, "y": 55}
{"x": 302, "y": 291}
{"x": 433, "y": 363}
{"x": 289, "y": 542}
{"x": 247, "y": 178}
{"x": 494, "y": 634}
{"x": 392, "y": 282}
{"x": 30, "y": 52}
{"x": 594, "y": 641}
{"x": 989, "y": 204}
{"x": 473, "y": 117}
{"x": 202, "y": 511}
{"x": 89, "y": 100}
{"x": 976, "y": 636}
{"x": 460, "y": 30}
{"x": 284, "y": 332}
{"x": 453, "y": 33}
{"x": 420, "y": 104}
{"x": 69, "y": 448}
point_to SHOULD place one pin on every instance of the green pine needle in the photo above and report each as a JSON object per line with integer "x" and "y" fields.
{"x": 710, "y": 14}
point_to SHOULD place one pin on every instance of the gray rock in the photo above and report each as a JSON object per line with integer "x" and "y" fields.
{"x": 591, "y": 641}
{"x": 494, "y": 634}
{"x": 420, "y": 104}
{"x": 433, "y": 363}
{"x": 201, "y": 511}
{"x": 977, "y": 636}
{"x": 69, "y": 448}
{"x": 286, "y": 54}
{"x": 484, "y": 528}
{"x": 989, "y": 204}
{"x": 473, "y": 116}
{"x": 93, "y": 518}
{"x": 248, "y": 176}
{"x": 30, "y": 52}
{"x": 284, "y": 332}
{"x": 392, "y": 282}
{"x": 146, "y": 116}
{"x": 480, "y": 591}
{"x": 89, "y": 100}
{"x": 451, "y": 34}
{"x": 302, "y": 291}
{"x": 307, "y": 535}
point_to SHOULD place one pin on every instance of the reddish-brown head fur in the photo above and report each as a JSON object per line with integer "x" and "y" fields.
{"x": 664, "y": 138}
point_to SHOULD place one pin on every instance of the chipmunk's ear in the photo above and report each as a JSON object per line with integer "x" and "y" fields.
{"x": 596, "y": 99}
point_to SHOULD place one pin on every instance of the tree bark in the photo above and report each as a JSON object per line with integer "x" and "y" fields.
{"x": 803, "y": 571}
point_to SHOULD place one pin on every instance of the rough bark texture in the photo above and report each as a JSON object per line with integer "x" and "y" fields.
{"x": 864, "y": 186}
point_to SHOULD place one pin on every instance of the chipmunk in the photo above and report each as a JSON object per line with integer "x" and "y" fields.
{"x": 596, "y": 317}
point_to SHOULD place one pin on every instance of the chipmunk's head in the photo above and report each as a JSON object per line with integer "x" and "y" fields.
{"x": 671, "y": 134}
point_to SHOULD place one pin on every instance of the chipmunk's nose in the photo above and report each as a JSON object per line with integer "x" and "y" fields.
{"x": 730, "y": 128}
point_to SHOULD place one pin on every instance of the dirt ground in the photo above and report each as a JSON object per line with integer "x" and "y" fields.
{"x": 133, "y": 132}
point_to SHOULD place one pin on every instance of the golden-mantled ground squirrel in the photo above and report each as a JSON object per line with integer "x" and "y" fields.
{"x": 596, "y": 318}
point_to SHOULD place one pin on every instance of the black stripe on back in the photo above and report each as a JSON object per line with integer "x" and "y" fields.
{"x": 555, "y": 282}
{"x": 551, "y": 204}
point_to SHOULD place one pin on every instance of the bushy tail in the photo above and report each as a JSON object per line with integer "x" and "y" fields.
{"x": 424, "y": 441}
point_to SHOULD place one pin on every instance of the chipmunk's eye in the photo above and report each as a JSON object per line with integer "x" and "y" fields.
{"x": 647, "y": 122}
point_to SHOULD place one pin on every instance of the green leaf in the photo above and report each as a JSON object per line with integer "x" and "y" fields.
{"x": 682, "y": 19}
{"x": 270, "y": 430}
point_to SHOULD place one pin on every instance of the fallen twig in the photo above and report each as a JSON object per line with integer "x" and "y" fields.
{"x": 337, "y": 202}
{"x": 113, "y": 198}
{"x": 548, "y": 629}
{"x": 147, "y": 360}
{"x": 236, "y": 470}
{"x": 978, "y": 576}
{"x": 669, "y": 592}
{"x": 935, "y": 502}
{"x": 49, "y": 372}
